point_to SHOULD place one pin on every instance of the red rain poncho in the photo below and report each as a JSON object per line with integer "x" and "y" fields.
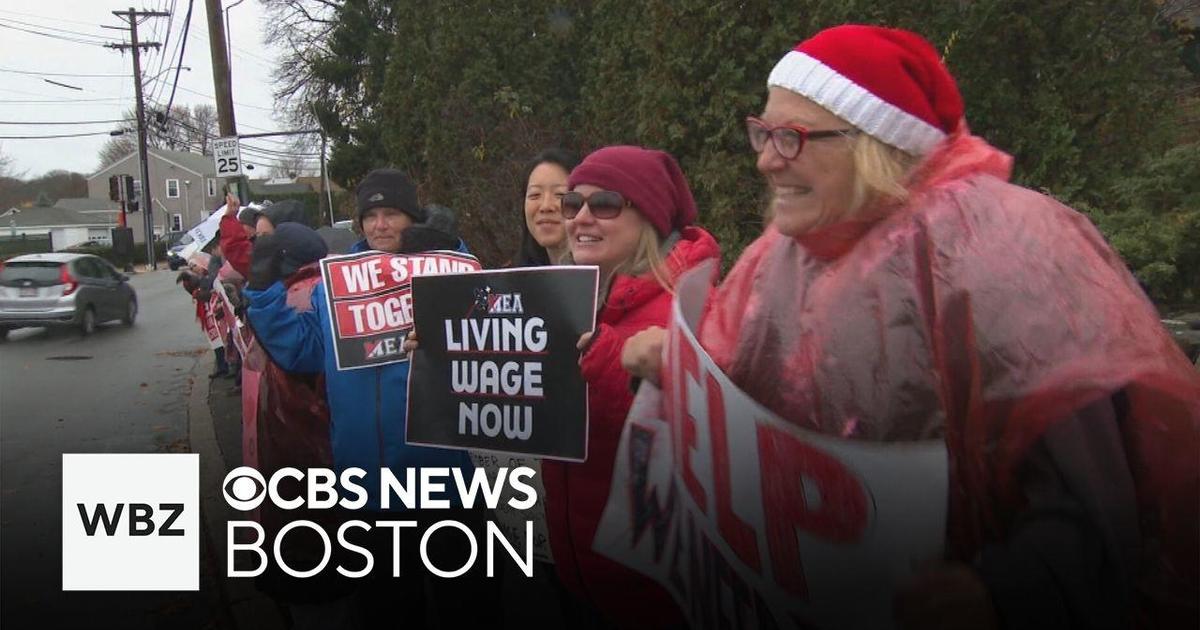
{"x": 982, "y": 313}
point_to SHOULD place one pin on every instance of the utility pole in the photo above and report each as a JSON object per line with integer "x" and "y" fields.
{"x": 132, "y": 16}
{"x": 328, "y": 193}
{"x": 220, "y": 68}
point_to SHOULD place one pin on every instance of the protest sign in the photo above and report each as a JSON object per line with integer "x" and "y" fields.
{"x": 748, "y": 520}
{"x": 369, "y": 296}
{"x": 204, "y": 232}
{"x": 212, "y": 329}
{"x": 498, "y": 367}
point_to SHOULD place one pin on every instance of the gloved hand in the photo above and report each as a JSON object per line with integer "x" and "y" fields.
{"x": 234, "y": 293}
{"x": 423, "y": 238}
{"x": 437, "y": 232}
{"x": 265, "y": 262}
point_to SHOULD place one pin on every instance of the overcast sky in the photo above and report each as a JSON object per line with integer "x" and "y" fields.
{"x": 29, "y": 98}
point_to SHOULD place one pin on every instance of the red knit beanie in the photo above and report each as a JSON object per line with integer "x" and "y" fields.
{"x": 651, "y": 180}
{"x": 888, "y": 82}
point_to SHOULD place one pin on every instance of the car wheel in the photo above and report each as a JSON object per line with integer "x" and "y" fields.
{"x": 87, "y": 321}
{"x": 3, "y": 333}
{"x": 131, "y": 309}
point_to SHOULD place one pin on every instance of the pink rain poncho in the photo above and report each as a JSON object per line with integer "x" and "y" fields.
{"x": 982, "y": 313}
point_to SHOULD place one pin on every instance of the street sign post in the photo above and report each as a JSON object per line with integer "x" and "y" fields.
{"x": 227, "y": 156}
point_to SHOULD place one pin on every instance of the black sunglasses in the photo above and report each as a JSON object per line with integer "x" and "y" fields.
{"x": 604, "y": 204}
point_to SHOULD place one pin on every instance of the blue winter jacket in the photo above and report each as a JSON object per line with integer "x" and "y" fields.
{"x": 367, "y": 406}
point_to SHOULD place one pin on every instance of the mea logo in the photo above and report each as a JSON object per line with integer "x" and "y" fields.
{"x": 495, "y": 303}
{"x": 381, "y": 348}
{"x": 131, "y": 522}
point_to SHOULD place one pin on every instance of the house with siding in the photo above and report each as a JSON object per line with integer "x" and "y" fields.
{"x": 184, "y": 189}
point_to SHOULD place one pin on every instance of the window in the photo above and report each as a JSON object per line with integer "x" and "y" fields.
{"x": 88, "y": 268}
{"x": 176, "y": 222}
{"x": 212, "y": 187}
{"x": 107, "y": 268}
{"x": 172, "y": 189}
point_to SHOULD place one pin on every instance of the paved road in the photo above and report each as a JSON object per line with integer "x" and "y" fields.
{"x": 122, "y": 390}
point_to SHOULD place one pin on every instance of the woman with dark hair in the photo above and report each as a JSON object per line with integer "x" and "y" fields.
{"x": 544, "y": 240}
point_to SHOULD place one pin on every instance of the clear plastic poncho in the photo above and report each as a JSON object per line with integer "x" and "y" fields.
{"x": 980, "y": 312}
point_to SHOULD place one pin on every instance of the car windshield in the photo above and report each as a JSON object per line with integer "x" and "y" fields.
{"x": 41, "y": 272}
{"x": 185, "y": 239}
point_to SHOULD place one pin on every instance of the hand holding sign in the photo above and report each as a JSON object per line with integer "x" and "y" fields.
{"x": 711, "y": 489}
{"x": 642, "y": 354}
{"x": 265, "y": 262}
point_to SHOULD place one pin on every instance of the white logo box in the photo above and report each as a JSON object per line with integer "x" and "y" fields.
{"x": 120, "y": 561}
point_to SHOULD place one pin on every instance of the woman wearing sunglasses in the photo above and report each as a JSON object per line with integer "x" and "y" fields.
{"x": 904, "y": 290}
{"x": 629, "y": 212}
{"x": 544, "y": 240}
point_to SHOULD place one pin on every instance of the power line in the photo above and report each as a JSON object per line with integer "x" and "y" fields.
{"x": 214, "y": 99}
{"x": 46, "y": 17}
{"x": 156, "y": 94}
{"x": 72, "y": 87}
{"x": 114, "y": 98}
{"x": 60, "y": 135}
{"x": 53, "y": 36}
{"x": 64, "y": 101}
{"x": 187, "y": 22}
{"x": 57, "y": 74}
{"x": 241, "y": 52}
{"x": 267, "y": 151}
{"x": 64, "y": 122}
{"x": 52, "y": 28}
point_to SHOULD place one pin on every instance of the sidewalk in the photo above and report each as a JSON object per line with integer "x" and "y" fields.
{"x": 215, "y": 432}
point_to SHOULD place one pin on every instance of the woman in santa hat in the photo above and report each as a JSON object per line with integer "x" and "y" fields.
{"x": 904, "y": 290}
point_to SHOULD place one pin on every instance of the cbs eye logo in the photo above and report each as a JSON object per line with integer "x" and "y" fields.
{"x": 244, "y": 488}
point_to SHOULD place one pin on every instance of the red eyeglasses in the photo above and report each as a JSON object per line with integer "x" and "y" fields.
{"x": 788, "y": 139}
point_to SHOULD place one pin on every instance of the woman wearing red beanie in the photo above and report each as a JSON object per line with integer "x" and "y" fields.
{"x": 631, "y": 213}
{"x": 905, "y": 291}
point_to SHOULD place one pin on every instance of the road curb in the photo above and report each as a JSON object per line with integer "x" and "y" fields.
{"x": 249, "y": 608}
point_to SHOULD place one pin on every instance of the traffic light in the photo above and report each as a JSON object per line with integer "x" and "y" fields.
{"x": 131, "y": 196}
{"x": 114, "y": 188}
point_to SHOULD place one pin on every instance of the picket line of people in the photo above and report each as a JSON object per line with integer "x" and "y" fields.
{"x": 901, "y": 290}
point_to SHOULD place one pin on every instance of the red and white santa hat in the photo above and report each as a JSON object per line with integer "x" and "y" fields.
{"x": 889, "y": 83}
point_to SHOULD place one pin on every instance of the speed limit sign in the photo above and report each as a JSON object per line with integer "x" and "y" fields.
{"x": 228, "y": 156}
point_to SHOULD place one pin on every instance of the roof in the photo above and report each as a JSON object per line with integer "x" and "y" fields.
{"x": 55, "y": 258}
{"x": 49, "y": 217}
{"x": 261, "y": 187}
{"x": 197, "y": 163}
{"x": 86, "y": 204}
{"x": 315, "y": 182}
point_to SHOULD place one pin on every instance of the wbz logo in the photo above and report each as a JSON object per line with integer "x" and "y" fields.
{"x": 496, "y": 303}
{"x": 140, "y": 517}
{"x": 382, "y": 348}
{"x": 131, "y": 522}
